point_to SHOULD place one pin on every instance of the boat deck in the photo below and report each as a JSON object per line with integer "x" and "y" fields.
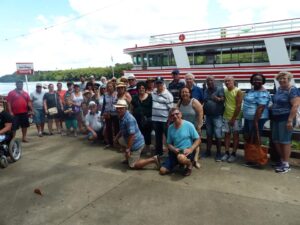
{"x": 81, "y": 183}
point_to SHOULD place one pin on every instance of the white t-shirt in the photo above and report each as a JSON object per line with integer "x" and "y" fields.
{"x": 94, "y": 120}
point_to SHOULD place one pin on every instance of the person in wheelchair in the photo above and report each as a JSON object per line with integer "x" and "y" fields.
{"x": 8, "y": 146}
{"x": 5, "y": 126}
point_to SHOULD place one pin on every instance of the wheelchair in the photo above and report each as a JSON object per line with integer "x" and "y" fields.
{"x": 10, "y": 149}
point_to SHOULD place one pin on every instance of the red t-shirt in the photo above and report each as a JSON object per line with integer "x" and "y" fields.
{"x": 18, "y": 101}
{"x": 62, "y": 95}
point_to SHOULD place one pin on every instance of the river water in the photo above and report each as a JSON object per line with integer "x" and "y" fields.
{"x": 7, "y": 87}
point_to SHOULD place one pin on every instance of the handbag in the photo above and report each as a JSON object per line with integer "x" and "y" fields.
{"x": 255, "y": 152}
{"x": 52, "y": 111}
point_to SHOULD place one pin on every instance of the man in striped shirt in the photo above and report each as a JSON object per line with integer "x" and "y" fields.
{"x": 162, "y": 103}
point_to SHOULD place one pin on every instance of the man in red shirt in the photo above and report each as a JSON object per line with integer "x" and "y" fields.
{"x": 19, "y": 106}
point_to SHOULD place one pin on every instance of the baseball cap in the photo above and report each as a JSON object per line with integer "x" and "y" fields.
{"x": 39, "y": 85}
{"x": 175, "y": 72}
{"x": 92, "y": 103}
{"x": 159, "y": 80}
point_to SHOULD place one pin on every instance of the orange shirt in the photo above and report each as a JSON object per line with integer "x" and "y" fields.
{"x": 61, "y": 94}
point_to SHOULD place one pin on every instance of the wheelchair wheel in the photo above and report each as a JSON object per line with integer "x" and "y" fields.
{"x": 3, "y": 162}
{"x": 15, "y": 150}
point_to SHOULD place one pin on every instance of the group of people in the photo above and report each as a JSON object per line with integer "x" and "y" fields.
{"x": 124, "y": 112}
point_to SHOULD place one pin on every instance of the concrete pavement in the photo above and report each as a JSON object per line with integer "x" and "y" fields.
{"x": 83, "y": 183}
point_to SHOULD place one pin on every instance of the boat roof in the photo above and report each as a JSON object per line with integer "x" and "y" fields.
{"x": 238, "y": 33}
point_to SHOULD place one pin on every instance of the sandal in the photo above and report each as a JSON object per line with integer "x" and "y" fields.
{"x": 157, "y": 161}
{"x": 187, "y": 172}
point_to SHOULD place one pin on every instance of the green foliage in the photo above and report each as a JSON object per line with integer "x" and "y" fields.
{"x": 71, "y": 74}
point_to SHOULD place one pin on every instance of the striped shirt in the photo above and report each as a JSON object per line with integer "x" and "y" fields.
{"x": 162, "y": 103}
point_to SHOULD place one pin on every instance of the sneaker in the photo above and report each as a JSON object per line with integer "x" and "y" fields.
{"x": 157, "y": 161}
{"x": 276, "y": 164}
{"x": 40, "y": 134}
{"x": 231, "y": 159}
{"x": 218, "y": 157}
{"x": 225, "y": 157}
{"x": 283, "y": 169}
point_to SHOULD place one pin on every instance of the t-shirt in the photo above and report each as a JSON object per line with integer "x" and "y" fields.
{"x": 197, "y": 93}
{"x": 94, "y": 120}
{"x": 71, "y": 115}
{"x": 61, "y": 94}
{"x": 174, "y": 88}
{"x": 161, "y": 104}
{"x": 182, "y": 137}
{"x": 142, "y": 108}
{"x": 128, "y": 126}
{"x": 37, "y": 100}
{"x": 19, "y": 101}
{"x": 5, "y": 117}
{"x": 212, "y": 107}
{"x": 252, "y": 100}
{"x": 281, "y": 107}
{"x": 52, "y": 100}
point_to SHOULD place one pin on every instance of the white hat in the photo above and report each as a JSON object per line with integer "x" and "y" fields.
{"x": 121, "y": 103}
{"x": 130, "y": 76}
{"x": 92, "y": 103}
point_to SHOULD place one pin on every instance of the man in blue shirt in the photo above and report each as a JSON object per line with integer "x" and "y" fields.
{"x": 182, "y": 141}
{"x": 196, "y": 91}
{"x": 131, "y": 138}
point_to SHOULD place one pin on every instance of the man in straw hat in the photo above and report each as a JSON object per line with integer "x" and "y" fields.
{"x": 131, "y": 138}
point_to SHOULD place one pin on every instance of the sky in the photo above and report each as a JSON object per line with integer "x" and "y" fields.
{"x": 69, "y": 34}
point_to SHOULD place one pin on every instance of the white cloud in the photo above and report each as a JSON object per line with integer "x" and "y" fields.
{"x": 109, "y": 26}
{"x": 105, "y": 29}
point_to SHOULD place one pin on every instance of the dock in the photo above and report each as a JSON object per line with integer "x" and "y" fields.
{"x": 83, "y": 183}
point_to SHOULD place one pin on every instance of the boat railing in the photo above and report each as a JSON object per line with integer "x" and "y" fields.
{"x": 278, "y": 26}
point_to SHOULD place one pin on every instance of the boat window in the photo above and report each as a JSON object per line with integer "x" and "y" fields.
{"x": 294, "y": 50}
{"x": 137, "y": 60}
{"x": 260, "y": 53}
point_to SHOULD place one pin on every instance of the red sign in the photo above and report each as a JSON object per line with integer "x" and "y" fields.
{"x": 181, "y": 37}
{"x": 24, "y": 68}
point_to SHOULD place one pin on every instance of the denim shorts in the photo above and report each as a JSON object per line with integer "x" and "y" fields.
{"x": 280, "y": 134}
{"x": 214, "y": 126}
{"x": 39, "y": 116}
{"x": 237, "y": 126}
{"x": 172, "y": 161}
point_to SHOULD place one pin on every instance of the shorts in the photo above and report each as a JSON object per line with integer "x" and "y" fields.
{"x": 172, "y": 161}
{"x": 99, "y": 134}
{"x": 20, "y": 120}
{"x": 237, "y": 126}
{"x": 280, "y": 134}
{"x": 214, "y": 126}
{"x": 38, "y": 116}
{"x": 71, "y": 123}
{"x": 134, "y": 155}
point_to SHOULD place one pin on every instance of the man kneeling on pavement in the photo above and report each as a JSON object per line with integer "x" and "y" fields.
{"x": 182, "y": 141}
{"x": 131, "y": 138}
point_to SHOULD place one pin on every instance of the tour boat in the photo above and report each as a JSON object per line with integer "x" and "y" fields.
{"x": 240, "y": 51}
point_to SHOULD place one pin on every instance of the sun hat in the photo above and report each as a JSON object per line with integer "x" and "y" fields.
{"x": 121, "y": 103}
{"x": 121, "y": 84}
